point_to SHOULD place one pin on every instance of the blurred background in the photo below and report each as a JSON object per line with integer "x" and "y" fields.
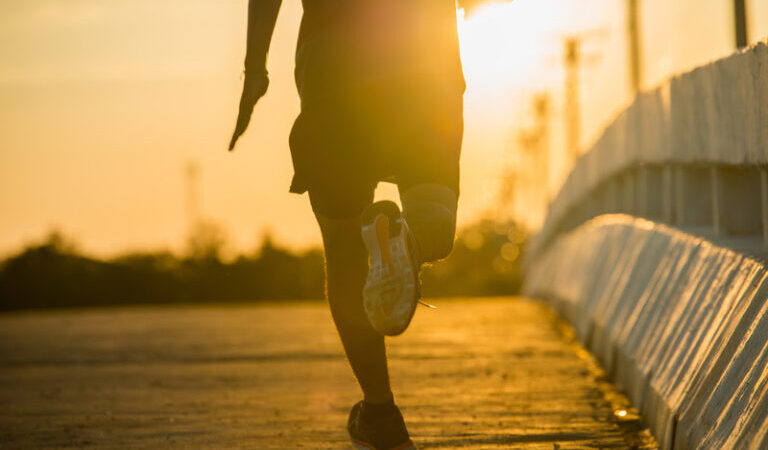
{"x": 115, "y": 183}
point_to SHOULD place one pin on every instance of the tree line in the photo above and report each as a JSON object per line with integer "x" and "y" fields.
{"x": 54, "y": 273}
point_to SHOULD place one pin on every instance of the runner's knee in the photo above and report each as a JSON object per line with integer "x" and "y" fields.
{"x": 430, "y": 210}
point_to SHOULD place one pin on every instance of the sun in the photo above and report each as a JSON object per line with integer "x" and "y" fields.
{"x": 503, "y": 44}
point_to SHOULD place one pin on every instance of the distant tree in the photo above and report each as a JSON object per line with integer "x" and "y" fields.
{"x": 206, "y": 241}
{"x": 145, "y": 278}
{"x": 485, "y": 261}
{"x": 47, "y": 275}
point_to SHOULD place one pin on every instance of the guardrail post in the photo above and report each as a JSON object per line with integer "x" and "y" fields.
{"x": 642, "y": 197}
{"x": 764, "y": 202}
{"x": 667, "y": 199}
{"x": 716, "y": 199}
{"x": 605, "y": 205}
{"x": 679, "y": 200}
{"x": 628, "y": 199}
{"x": 653, "y": 192}
{"x": 694, "y": 197}
{"x": 740, "y": 205}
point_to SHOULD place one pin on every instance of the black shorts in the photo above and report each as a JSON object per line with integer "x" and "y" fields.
{"x": 407, "y": 132}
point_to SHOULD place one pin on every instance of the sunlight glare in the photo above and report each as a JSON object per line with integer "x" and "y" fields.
{"x": 501, "y": 46}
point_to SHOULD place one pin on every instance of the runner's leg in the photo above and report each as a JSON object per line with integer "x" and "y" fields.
{"x": 428, "y": 168}
{"x": 346, "y": 268}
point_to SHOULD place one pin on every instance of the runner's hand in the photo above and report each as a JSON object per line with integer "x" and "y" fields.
{"x": 254, "y": 87}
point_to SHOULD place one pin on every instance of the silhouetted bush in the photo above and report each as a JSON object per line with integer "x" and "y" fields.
{"x": 52, "y": 274}
{"x": 485, "y": 261}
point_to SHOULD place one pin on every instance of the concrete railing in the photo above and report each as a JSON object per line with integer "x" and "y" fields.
{"x": 654, "y": 249}
{"x": 680, "y": 324}
{"x": 692, "y": 153}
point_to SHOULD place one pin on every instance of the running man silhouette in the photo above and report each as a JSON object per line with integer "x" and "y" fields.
{"x": 381, "y": 89}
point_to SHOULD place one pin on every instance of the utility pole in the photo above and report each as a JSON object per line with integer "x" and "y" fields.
{"x": 541, "y": 109}
{"x": 633, "y": 35}
{"x": 740, "y": 13}
{"x": 572, "y": 61}
{"x": 528, "y": 182}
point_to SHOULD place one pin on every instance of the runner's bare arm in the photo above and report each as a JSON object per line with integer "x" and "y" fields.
{"x": 262, "y": 15}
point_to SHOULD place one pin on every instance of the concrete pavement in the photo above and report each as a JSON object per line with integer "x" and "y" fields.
{"x": 477, "y": 373}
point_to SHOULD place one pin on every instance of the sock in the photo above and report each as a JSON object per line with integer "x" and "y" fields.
{"x": 378, "y": 409}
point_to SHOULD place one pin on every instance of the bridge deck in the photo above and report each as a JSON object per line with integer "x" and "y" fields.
{"x": 497, "y": 373}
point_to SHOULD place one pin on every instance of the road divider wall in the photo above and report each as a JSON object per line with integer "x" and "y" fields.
{"x": 679, "y": 323}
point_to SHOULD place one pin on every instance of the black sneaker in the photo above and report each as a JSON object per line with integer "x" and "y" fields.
{"x": 378, "y": 427}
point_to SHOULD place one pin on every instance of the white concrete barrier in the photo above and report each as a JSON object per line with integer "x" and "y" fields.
{"x": 678, "y": 322}
{"x": 714, "y": 116}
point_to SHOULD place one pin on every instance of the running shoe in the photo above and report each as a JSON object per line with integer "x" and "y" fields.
{"x": 392, "y": 289}
{"x": 379, "y": 429}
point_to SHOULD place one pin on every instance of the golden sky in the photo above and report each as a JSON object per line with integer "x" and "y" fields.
{"x": 103, "y": 103}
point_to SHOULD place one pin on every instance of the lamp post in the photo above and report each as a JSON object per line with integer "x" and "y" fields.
{"x": 572, "y": 60}
{"x": 633, "y": 35}
{"x": 740, "y": 14}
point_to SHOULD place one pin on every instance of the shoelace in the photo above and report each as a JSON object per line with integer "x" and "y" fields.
{"x": 423, "y": 303}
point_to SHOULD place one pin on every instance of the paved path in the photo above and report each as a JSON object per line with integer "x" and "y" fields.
{"x": 500, "y": 373}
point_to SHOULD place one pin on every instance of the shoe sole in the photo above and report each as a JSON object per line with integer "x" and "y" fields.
{"x": 391, "y": 290}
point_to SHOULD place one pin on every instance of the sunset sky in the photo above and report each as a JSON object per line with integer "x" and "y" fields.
{"x": 103, "y": 103}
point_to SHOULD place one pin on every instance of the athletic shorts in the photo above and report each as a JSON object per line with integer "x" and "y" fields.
{"x": 407, "y": 132}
